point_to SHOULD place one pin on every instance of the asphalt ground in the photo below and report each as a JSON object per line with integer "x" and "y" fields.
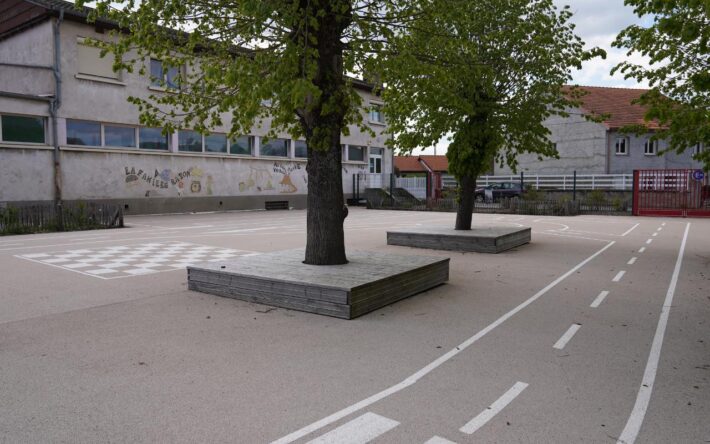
{"x": 546, "y": 343}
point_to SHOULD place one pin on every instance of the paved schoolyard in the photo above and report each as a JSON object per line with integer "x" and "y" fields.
{"x": 556, "y": 341}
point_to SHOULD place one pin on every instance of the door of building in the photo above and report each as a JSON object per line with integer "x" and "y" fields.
{"x": 376, "y": 160}
{"x": 680, "y": 193}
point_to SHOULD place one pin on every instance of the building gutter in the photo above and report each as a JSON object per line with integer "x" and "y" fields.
{"x": 53, "y": 108}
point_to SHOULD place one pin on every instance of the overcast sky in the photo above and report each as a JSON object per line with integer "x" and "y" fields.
{"x": 598, "y": 22}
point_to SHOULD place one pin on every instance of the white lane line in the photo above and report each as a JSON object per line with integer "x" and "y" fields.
{"x": 618, "y": 276}
{"x": 632, "y": 261}
{"x": 655, "y": 234}
{"x": 565, "y": 338}
{"x": 439, "y": 440}
{"x": 659, "y": 228}
{"x": 495, "y": 408}
{"x": 599, "y": 299}
{"x": 663, "y": 224}
{"x": 575, "y": 237}
{"x": 649, "y": 241}
{"x": 360, "y": 430}
{"x": 630, "y": 230}
{"x": 411, "y": 380}
{"x": 642, "y": 249}
{"x": 633, "y": 425}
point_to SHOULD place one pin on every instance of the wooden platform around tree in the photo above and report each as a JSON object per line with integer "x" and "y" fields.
{"x": 369, "y": 281}
{"x": 484, "y": 239}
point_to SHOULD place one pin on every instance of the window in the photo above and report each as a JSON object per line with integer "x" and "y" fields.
{"x": 81, "y": 132}
{"x": 91, "y": 63}
{"x": 650, "y": 148}
{"x": 376, "y": 114}
{"x": 300, "y": 149}
{"x": 242, "y": 145}
{"x": 356, "y": 153}
{"x": 152, "y": 139}
{"x": 22, "y": 129}
{"x": 697, "y": 149}
{"x": 216, "y": 143}
{"x": 275, "y": 147}
{"x": 164, "y": 76}
{"x": 622, "y": 146}
{"x": 119, "y": 136}
{"x": 190, "y": 141}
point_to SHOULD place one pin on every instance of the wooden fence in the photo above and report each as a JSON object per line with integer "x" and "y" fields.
{"x": 46, "y": 217}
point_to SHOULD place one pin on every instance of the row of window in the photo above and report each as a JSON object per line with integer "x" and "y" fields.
{"x": 95, "y": 134}
{"x": 92, "y": 66}
{"x": 650, "y": 147}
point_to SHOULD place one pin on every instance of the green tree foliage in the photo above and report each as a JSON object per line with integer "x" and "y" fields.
{"x": 677, "y": 44}
{"x": 486, "y": 73}
{"x": 253, "y": 60}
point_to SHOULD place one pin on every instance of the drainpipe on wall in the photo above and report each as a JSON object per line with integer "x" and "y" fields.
{"x": 53, "y": 108}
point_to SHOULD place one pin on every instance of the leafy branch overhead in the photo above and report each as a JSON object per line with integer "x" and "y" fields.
{"x": 489, "y": 77}
{"x": 677, "y": 46}
{"x": 251, "y": 60}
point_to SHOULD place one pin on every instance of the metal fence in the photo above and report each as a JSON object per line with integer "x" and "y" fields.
{"x": 619, "y": 182}
{"x": 22, "y": 219}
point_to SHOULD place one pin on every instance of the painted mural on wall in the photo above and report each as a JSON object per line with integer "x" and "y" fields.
{"x": 281, "y": 178}
{"x": 255, "y": 178}
{"x": 186, "y": 181}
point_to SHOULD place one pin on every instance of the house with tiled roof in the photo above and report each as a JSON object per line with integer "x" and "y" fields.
{"x": 599, "y": 146}
{"x": 420, "y": 165}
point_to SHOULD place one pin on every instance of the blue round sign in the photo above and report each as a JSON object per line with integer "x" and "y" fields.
{"x": 698, "y": 175}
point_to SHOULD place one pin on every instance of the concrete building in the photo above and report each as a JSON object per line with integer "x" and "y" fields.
{"x": 599, "y": 147}
{"x": 68, "y": 130}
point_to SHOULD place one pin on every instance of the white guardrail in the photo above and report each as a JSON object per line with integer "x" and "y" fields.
{"x": 622, "y": 182}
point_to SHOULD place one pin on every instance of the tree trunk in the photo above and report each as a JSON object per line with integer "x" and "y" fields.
{"x": 325, "y": 239}
{"x": 464, "y": 214}
{"x": 323, "y": 124}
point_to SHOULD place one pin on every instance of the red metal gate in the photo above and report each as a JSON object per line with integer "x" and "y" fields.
{"x": 682, "y": 193}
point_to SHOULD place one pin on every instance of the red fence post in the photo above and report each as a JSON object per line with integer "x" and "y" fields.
{"x": 635, "y": 194}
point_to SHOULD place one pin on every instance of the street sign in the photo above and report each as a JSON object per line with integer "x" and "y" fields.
{"x": 698, "y": 175}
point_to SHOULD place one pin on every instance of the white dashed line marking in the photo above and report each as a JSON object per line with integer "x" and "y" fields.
{"x": 632, "y": 261}
{"x": 412, "y": 379}
{"x": 560, "y": 344}
{"x": 633, "y": 425}
{"x": 360, "y": 430}
{"x": 618, "y": 276}
{"x": 630, "y": 230}
{"x": 439, "y": 440}
{"x": 655, "y": 234}
{"x": 495, "y": 408}
{"x": 642, "y": 249}
{"x": 599, "y": 299}
{"x": 649, "y": 241}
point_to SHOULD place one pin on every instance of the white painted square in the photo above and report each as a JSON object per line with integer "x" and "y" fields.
{"x": 120, "y": 261}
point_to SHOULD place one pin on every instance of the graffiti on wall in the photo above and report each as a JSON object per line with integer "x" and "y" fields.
{"x": 184, "y": 181}
{"x": 286, "y": 184}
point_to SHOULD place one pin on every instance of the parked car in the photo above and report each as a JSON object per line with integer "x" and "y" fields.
{"x": 496, "y": 191}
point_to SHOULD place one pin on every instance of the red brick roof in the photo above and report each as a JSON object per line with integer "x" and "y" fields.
{"x": 408, "y": 164}
{"x": 413, "y": 164}
{"x": 616, "y": 102}
{"x": 439, "y": 164}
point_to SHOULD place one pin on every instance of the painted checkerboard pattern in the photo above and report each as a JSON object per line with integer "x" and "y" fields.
{"x": 134, "y": 260}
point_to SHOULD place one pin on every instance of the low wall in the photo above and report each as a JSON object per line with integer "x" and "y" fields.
{"x": 149, "y": 182}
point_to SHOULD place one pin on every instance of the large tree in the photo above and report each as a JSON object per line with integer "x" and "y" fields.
{"x": 488, "y": 77}
{"x": 285, "y": 60}
{"x": 677, "y": 46}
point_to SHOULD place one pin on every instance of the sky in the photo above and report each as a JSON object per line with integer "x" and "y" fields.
{"x": 597, "y": 23}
